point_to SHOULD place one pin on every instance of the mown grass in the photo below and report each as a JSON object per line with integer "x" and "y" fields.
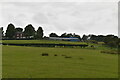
{"x": 40, "y": 41}
{"x": 27, "y": 62}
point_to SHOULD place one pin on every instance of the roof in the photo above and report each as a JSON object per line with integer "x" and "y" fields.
{"x": 59, "y": 38}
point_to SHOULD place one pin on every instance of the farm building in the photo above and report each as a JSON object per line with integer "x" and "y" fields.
{"x": 19, "y": 35}
{"x": 74, "y": 39}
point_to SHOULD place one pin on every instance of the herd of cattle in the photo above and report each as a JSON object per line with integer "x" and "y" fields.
{"x": 46, "y": 54}
{"x": 65, "y": 56}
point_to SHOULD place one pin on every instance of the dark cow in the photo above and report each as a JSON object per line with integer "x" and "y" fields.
{"x": 55, "y": 55}
{"x": 68, "y": 57}
{"x": 45, "y": 54}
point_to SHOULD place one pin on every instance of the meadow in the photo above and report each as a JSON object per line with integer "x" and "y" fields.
{"x": 27, "y": 62}
{"x": 41, "y": 41}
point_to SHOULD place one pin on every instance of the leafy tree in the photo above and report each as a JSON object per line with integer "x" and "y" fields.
{"x": 84, "y": 38}
{"x": 18, "y": 29}
{"x": 53, "y": 35}
{"x": 1, "y": 31}
{"x": 64, "y": 35}
{"x": 39, "y": 34}
{"x": 29, "y": 31}
{"x": 69, "y": 35}
{"x": 101, "y": 38}
{"x": 92, "y": 37}
{"x": 10, "y": 32}
{"x": 119, "y": 44}
{"x": 111, "y": 41}
{"x": 77, "y": 36}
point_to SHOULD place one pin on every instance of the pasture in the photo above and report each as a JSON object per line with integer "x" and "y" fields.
{"x": 28, "y": 62}
{"x": 40, "y": 41}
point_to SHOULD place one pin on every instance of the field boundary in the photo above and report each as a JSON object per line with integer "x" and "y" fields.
{"x": 60, "y": 79}
{"x": 47, "y": 45}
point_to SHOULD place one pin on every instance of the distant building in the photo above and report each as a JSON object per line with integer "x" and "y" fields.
{"x": 74, "y": 39}
{"x": 19, "y": 35}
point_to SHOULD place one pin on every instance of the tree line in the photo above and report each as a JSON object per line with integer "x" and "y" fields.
{"x": 65, "y": 35}
{"x": 110, "y": 40}
{"x": 29, "y": 32}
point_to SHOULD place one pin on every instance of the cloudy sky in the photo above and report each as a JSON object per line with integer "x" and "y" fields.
{"x": 60, "y": 17}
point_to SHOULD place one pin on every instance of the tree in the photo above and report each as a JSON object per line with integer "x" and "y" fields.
{"x": 84, "y": 38}
{"x": 18, "y": 29}
{"x": 77, "y": 36}
{"x": 10, "y": 32}
{"x": 1, "y": 31}
{"x": 101, "y": 38}
{"x": 39, "y": 34}
{"x": 53, "y": 35}
{"x": 92, "y": 37}
{"x": 69, "y": 35}
{"x": 29, "y": 31}
{"x": 111, "y": 41}
{"x": 66, "y": 35}
{"x": 63, "y": 35}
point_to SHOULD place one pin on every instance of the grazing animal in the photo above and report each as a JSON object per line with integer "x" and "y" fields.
{"x": 68, "y": 57}
{"x": 55, "y": 55}
{"x": 44, "y": 54}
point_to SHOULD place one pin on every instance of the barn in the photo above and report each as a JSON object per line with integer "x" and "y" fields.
{"x": 73, "y": 39}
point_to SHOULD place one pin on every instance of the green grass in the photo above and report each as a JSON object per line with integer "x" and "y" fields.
{"x": 97, "y": 46}
{"x": 41, "y": 41}
{"x": 27, "y": 62}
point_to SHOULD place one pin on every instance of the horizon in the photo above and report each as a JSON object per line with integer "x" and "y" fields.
{"x": 61, "y": 33}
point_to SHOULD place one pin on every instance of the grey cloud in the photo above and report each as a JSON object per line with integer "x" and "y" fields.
{"x": 61, "y": 17}
{"x": 40, "y": 18}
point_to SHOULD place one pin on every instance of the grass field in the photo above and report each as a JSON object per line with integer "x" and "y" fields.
{"x": 27, "y": 62}
{"x": 41, "y": 41}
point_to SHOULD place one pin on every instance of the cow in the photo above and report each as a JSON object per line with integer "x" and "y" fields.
{"x": 45, "y": 54}
{"x": 68, "y": 57}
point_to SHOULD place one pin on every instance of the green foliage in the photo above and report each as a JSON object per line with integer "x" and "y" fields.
{"x": 64, "y": 35}
{"x": 70, "y": 35}
{"x": 29, "y": 31}
{"x": 10, "y": 32}
{"x": 77, "y": 36}
{"x": 53, "y": 35}
{"x": 1, "y": 33}
{"x": 84, "y": 38}
{"x": 39, "y": 32}
{"x": 18, "y": 29}
{"x": 111, "y": 41}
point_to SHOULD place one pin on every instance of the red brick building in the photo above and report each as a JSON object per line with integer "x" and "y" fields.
{"x": 19, "y": 35}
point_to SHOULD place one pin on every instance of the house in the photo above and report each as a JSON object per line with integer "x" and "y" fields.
{"x": 74, "y": 39}
{"x": 19, "y": 35}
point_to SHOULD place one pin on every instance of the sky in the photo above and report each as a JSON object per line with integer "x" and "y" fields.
{"x": 99, "y": 18}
